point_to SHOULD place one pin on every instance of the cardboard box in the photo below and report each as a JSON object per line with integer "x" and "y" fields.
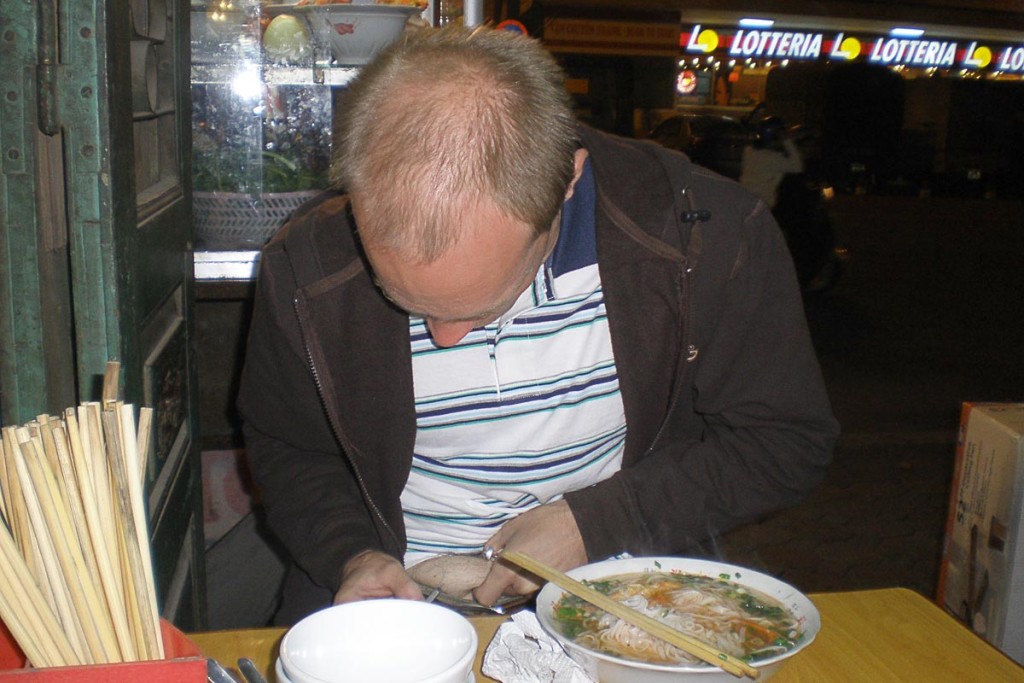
{"x": 981, "y": 579}
{"x": 183, "y": 664}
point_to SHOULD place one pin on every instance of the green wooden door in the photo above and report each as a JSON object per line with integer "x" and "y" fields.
{"x": 96, "y": 245}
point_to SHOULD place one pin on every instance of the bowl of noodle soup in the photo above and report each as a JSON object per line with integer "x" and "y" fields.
{"x": 745, "y": 613}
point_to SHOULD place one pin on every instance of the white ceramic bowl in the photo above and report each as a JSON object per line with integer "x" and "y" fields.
{"x": 282, "y": 677}
{"x": 354, "y": 34}
{"x": 611, "y": 669}
{"x": 400, "y": 641}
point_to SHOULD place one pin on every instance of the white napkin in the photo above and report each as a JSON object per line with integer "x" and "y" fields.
{"x": 521, "y": 652}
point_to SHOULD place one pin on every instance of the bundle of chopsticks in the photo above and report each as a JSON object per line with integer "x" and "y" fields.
{"x": 76, "y": 573}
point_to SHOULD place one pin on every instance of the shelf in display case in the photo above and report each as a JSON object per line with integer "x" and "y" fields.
{"x": 212, "y": 266}
{"x": 275, "y": 74}
{"x": 227, "y": 43}
{"x": 319, "y": 75}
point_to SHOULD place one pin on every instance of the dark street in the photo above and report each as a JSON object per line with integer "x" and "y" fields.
{"x": 929, "y": 313}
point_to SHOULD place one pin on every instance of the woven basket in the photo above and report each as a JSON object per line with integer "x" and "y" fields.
{"x": 236, "y": 220}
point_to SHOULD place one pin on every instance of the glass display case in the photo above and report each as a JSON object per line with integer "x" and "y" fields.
{"x": 263, "y": 100}
{"x": 265, "y": 84}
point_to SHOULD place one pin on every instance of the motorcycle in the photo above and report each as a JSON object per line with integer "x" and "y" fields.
{"x": 802, "y": 213}
{"x": 801, "y": 210}
{"x": 717, "y": 142}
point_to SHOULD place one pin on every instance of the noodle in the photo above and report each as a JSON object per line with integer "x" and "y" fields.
{"x": 732, "y": 618}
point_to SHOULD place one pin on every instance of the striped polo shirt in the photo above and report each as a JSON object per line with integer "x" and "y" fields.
{"x": 522, "y": 409}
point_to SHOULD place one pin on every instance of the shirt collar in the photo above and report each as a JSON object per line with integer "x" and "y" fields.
{"x": 575, "y": 248}
{"x": 577, "y": 244}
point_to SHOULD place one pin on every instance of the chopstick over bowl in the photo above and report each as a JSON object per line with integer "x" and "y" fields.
{"x": 691, "y": 645}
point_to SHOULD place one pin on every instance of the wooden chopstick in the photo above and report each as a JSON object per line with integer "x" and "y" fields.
{"x": 18, "y": 519}
{"x": 50, "y": 567}
{"x": 144, "y": 622}
{"x": 5, "y": 486}
{"x": 85, "y": 602}
{"x": 24, "y": 603}
{"x": 111, "y": 382}
{"x": 143, "y": 439}
{"x": 109, "y": 581}
{"x": 76, "y": 575}
{"x": 695, "y": 647}
{"x": 134, "y": 479}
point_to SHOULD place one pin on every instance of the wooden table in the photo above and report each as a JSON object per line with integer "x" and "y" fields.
{"x": 892, "y": 634}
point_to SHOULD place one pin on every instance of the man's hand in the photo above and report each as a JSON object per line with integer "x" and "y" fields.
{"x": 547, "y": 533}
{"x": 375, "y": 574}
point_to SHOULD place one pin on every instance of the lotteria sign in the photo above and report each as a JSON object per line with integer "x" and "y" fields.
{"x": 776, "y": 44}
{"x": 1011, "y": 59}
{"x": 887, "y": 51}
{"x": 896, "y": 51}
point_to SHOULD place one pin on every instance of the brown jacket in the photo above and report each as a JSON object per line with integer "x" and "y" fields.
{"x": 726, "y": 412}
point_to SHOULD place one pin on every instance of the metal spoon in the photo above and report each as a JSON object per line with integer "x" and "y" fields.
{"x": 459, "y": 604}
{"x": 215, "y": 673}
{"x": 249, "y": 671}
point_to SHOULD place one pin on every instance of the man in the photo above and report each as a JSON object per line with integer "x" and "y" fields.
{"x": 768, "y": 160}
{"x": 513, "y": 332}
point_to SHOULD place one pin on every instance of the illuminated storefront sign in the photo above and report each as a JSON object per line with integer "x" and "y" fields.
{"x": 885, "y": 50}
{"x": 702, "y": 41}
{"x": 977, "y": 57}
{"x": 758, "y": 44}
{"x": 845, "y": 48}
{"x": 1011, "y": 60}
{"x": 901, "y": 51}
{"x": 776, "y": 44}
{"x": 686, "y": 82}
{"x": 596, "y": 36}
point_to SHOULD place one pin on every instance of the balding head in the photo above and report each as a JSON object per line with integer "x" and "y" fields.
{"x": 446, "y": 120}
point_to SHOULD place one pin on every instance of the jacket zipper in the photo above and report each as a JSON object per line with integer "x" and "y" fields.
{"x": 691, "y": 351}
{"x": 686, "y": 364}
{"x": 335, "y": 429}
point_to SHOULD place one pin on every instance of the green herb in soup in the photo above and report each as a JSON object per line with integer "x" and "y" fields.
{"x": 736, "y": 620}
